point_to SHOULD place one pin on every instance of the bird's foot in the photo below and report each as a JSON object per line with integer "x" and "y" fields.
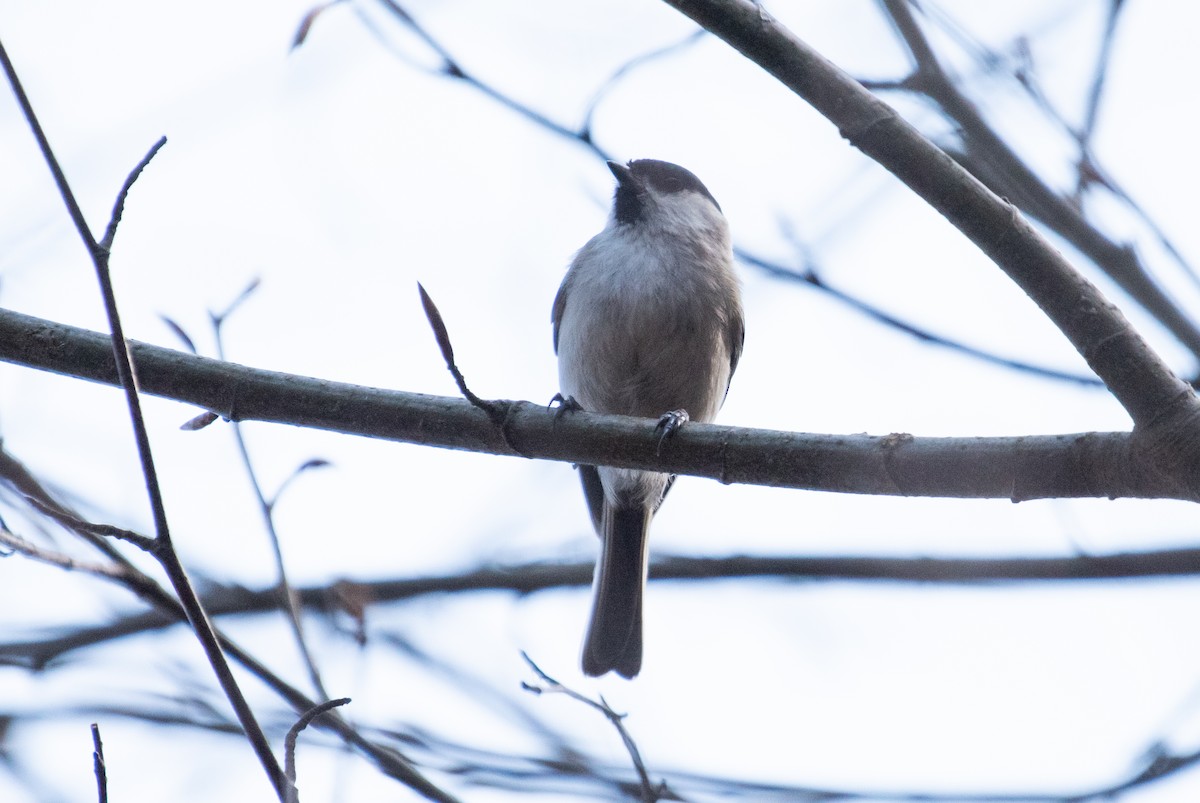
{"x": 669, "y": 424}
{"x": 566, "y": 404}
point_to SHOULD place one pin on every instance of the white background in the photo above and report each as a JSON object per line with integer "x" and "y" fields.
{"x": 344, "y": 172}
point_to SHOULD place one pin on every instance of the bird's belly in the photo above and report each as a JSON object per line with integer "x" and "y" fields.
{"x": 643, "y": 359}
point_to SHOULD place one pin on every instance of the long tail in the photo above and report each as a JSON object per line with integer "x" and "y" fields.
{"x": 614, "y": 636}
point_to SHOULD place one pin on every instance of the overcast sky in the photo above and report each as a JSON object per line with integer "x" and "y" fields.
{"x": 342, "y": 173}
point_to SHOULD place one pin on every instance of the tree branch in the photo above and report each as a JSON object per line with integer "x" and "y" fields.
{"x": 1139, "y": 379}
{"x": 531, "y": 578}
{"x": 453, "y": 69}
{"x": 1017, "y": 468}
{"x": 990, "y": 158}
{"x": 161, "y": 547}
{"x": 166, "y": 611}
{"x": 650, "y": 792}
{"x": 266, "y": 509}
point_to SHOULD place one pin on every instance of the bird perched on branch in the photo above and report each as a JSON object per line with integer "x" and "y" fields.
{"x": 647, "y": 322}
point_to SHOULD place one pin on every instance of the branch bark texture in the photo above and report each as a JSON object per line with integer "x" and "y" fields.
{"x": 1017, "y": 468}
{"x": 1140, "y": 380}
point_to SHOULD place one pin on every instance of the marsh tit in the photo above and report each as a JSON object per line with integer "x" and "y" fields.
{"x": 648, "y": 322}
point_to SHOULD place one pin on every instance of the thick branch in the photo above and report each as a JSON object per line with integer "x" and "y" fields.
{"x": 1018, "y": 468}
{"x": 1140, "y": 380}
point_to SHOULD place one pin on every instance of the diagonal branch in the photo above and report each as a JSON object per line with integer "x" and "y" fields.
{"x": 161, "y": 547}
{"x": 991, "y": 159}
{"x": 812, "y": 278}
{"x": 167, "y": 611}
{"x": 452, "y": 69}
{"x": 1138, "y": 377}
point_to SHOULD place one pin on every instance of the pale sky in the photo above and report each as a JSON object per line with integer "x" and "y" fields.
{"x": 344, "y": 172}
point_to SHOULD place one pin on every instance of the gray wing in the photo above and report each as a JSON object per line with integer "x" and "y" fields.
{"x": 560, "y": 306}
{"x": 735, "y": 337}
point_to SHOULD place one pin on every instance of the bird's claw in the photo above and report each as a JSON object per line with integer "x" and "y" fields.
{"x": 669, "y": 424}
{"x": 566, "y": 404}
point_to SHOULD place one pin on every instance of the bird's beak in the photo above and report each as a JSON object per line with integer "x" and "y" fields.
{"x": 624, "y": 175}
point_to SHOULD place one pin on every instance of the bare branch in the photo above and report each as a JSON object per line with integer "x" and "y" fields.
{"x": 1094, "y": 95}
{"x": 1136, "y": 376}
{"x": 266, "y": 509}
{"x": 452, "y": 69}
{"x": 995, "y": 164}
{"x": 99, "y": 530}
{"x": 649, "y": 791}
{"x": 101, "y": 769}
{"x": 119, "y": 207}
{"x": 289, "y": 743}
{"x": 531, "y": 578}
{"x": 585, "y": 131}
{"x": 442, "y": 336}
{"x": 498, "y": 411}
{"x": 812, "y": 278}
{"x": 309, "y": 20}
{"x": 60, "y": 559}
{"x": 162, "y": 550}
{"x": 168, "y": 611}
{"x": 1019, "y": 468}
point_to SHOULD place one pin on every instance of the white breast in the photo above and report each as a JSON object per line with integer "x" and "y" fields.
{"x": 644, "y": 327}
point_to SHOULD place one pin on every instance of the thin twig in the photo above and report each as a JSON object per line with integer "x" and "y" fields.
{"x": 995, "y": 163}
{"x": 650, "y": 791}
{"x": 440, "y": 333}
{"x": 167, "y": 610}
{"x": 308, "y": 20}
{"x": 60, "y": 559}
{"x": 267, "y": 510}
{"x": 813, "y": 279}
{"x": 452, "y": 69}
{"x": 100, "y": 530}
{"x": 585, "y": 130}
{"x": 498, "y": 411}
{"x": 163, "y": 551}
{"x": 583, "y": 136}
{"x": 101, "y": 768}
{"x": 289, "y": 743}
{"x": 119, "y": 206}
{"x": 1086, "y": 172}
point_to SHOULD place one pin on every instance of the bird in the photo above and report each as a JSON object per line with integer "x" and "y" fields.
{"x": 647, "y": 322}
